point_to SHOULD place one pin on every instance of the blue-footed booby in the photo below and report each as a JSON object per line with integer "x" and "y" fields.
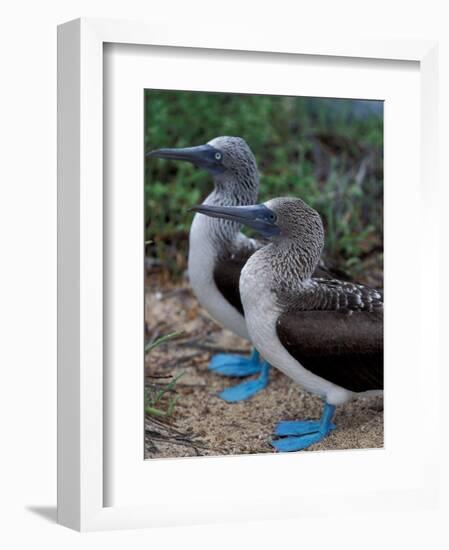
{"x": 326, "y": 335}
{"x": 218, "y": 251}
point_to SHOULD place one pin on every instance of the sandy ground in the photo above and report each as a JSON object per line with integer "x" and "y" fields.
{"x": 203, "y": 424}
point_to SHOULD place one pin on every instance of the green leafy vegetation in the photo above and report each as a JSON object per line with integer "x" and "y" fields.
{"x": 327, "y": 151}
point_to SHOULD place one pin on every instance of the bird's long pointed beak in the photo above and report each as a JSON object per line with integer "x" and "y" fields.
{"x": 257, "y": 216}
{"x": 240, "y": 214}
{"x": 195, "y": 155}
{"x": 202, "y": 156}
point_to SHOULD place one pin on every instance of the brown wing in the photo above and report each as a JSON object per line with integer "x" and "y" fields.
{"x": 335, "y": 330}
{"x": 344, "y": 348}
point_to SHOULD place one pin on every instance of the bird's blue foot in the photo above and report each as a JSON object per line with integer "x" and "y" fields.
{"x": 298, "y": 435}
{"x": 236, "y": 365}
{"x": 245, "y": 390}
{"x": 299, "y": 427}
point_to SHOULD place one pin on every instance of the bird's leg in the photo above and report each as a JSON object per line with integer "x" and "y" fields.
{"x": 298, "y": 435}
{"x": 236, "y": 365}
{"x": 245, "y": 390}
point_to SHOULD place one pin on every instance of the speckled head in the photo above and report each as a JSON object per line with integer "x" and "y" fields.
{"x": 296, "y": 220}
{"x": 235, "y": 156}
{"x": 297, "y": 247}
{"x": 229, "y": 159}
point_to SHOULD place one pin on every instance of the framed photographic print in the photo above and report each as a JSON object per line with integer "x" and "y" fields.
{"x": 231, "y": 216}
{"x": 333, "y": 149}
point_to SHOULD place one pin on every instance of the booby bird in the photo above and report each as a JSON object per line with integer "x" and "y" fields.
{"x": 218, "y": 251}
{"x": 326, "y": 335}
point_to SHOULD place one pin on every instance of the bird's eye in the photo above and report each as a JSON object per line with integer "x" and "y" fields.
{"x": 217, "y": 156}
{"x": 272, "y": 217}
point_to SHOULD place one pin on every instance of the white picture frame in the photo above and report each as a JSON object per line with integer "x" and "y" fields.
{"x": 82, "y": 479}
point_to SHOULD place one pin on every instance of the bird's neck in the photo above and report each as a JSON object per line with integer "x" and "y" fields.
{"x": 235, "y": 189}
{"x": 228, "y": 193}
{"x": 291, "y": 265}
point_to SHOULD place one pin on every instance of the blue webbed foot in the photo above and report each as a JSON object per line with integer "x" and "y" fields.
{"x": 235, "y": 365}
{"x": 245, "y": 390}
{"x": 301, "y": 434}
{"x": 297, "y": 443}
{"x": 299, "y": 427}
